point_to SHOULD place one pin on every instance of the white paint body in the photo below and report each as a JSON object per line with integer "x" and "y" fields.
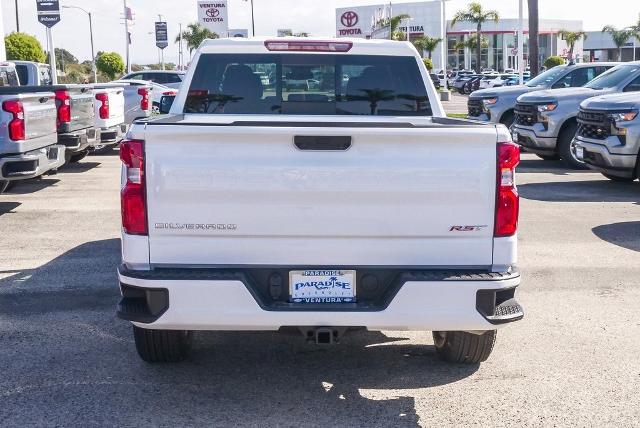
{"x": 391, "y": 199}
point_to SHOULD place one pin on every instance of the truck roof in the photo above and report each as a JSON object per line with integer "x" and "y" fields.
{"x": 358, "y": 46}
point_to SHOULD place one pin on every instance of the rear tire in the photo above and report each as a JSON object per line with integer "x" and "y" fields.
{"x": 618, "y": 179}
{"x": 462, "y": 347}
{"x": 4, "y": 186}
{"x": 162, "y": 346}
{"x": 77, "y": 157}
{"x": 564, "y": 147}
{"x": 549, "y": 157}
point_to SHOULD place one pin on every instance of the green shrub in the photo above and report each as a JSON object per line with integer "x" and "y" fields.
{"x": 111, "y": 64}
{"x": 428, "y": 63}
{"x": 23, "y": 47}
{"x": 553, "y": 61}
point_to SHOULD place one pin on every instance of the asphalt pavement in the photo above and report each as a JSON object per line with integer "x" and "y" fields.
{"x": 65, "y": 360}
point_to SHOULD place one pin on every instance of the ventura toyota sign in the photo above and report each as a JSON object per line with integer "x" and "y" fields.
{"x": 213, "y": 15}
{"x": 360, "y": 21}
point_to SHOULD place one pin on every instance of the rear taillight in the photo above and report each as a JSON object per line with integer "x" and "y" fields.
{"x": 507, "y": 199}
{"x": 63, "y": 103}
{"x": 308, "y": 46}
{"x": 144, "y": 102}
{"x": 103, "y": 110}
{"x": 132, "y": 197}
{"x": 16, "y": 124}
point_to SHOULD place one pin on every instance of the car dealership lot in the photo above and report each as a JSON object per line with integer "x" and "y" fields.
{"x": 66, "y": 359}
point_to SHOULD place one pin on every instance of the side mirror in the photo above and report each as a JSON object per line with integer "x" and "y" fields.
{"x": 166, "y": 102}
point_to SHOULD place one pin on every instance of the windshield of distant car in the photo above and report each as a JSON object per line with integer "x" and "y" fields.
{"x": 547, "y": 77}
{"x": 613, "y": 77}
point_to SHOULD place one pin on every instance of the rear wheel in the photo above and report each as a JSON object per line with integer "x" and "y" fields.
{"x": 567, "y": 153}
{"x": 463, "y": 347}
{"x": 76, "y": 157}
{"x": 162, "y": 346}
{"x": 549, "y": 157}
{"x": 4, "y": 186}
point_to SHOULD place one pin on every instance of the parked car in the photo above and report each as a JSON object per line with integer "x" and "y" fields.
{"x": 484, "y": 81}
{"x": 608, "y": 135}
{"x": 172, "y": 79}
{"x": 458, "y": 83}
{"x": 28, "y": 138}
{"x": 110, "y": 122}
{"x": 497, "y": 105}
{"x": 472, "y": 84}
{"x": 496, "y": 81}
{"x": 33, "y": 73}
{"x": 515, "y": 80}
{"x": 545, "y": 121}
{"x": 435, "y": 79}
{"x": 301, "y": 227}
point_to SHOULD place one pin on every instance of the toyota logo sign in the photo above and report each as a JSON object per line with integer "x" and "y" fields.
{"x": 349, "y": 19}
{"x": 213, "y": 13}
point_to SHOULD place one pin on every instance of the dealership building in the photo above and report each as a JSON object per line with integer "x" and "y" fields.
{"x": 426, "y": 20}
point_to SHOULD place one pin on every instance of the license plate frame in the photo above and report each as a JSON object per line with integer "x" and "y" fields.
{"x": 322, "y": 286}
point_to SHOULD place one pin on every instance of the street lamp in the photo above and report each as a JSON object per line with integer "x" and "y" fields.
{"x": 445, "y": 95}
{"x": 93, "y": 57}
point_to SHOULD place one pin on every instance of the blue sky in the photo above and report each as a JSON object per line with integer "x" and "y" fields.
{"x": 314, "y": 16}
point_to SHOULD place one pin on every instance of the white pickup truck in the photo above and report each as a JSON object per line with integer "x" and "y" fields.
{"x": 352, "y": 204}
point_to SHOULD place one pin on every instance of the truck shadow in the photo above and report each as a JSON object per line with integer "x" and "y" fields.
{"x": 63, "y": 313}
{"x": 24, "y": 187}
{"x": 581, "y": 191}
{"x": 8, "y": 207}
{"x": 557, "y": 167}
{"x": 79, "y": 167}
{"x": 625, "y": 235}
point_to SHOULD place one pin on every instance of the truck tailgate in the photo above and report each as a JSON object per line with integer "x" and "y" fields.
{"x": 82, "y": 114}
{"x": 39, "y": 115}
{"x": 116, "y": 107}
{"x": 234, "y": 195}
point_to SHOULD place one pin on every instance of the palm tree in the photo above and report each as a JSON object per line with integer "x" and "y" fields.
{"x": 195, "y": 34}
{"x": 534, "y": 57}
{"x": 427, "y": 43}
{"x": 572, "y": 37}
{"x": 476, "y": 14}
{"x": 471, "y": 43}
{"x": 619, "y": 37}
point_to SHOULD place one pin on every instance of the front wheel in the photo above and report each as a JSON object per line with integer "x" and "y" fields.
{"x": 565, "y": 149}
{"x": 507, "y": 119}
{"x": 162, "y": 346}
{"x": 619, "y": 179}
{"x": 462, "y": 347}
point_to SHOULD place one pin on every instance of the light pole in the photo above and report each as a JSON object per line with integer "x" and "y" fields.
{"x": 93, "y": 57}
{"x": 445, "y": 95}
{"x": 17, "y": 19}
{"x": 520, "y": 44}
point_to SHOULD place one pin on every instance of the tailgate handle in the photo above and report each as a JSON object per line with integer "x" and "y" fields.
{"x": 43, "y": 100}
{"x": 322, "y": 142}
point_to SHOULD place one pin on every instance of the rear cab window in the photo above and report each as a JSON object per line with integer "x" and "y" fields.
{"x": 307, "y": 84}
